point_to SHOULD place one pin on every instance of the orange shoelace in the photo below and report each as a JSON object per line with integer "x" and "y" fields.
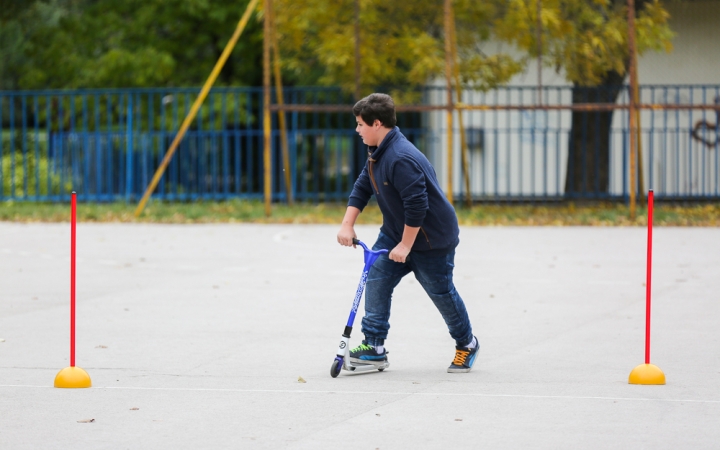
{"x": 460, "y": 357}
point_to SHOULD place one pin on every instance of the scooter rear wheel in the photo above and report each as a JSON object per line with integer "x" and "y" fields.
{"x": 335, "y": 368}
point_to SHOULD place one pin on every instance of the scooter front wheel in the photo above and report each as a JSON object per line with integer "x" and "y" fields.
{"x": 335, "y": 368}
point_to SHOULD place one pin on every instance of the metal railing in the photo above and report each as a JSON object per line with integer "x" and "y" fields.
{"x": 106, "y": 144}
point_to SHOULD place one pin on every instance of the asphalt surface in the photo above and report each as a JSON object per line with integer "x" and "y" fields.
{"x": 222, "y": 336}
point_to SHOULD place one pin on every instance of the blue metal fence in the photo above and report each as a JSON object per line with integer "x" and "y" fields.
{"x": 107, "y": 144}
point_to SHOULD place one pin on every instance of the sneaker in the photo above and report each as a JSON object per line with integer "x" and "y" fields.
{"x": 366, "y": 354}
{"x": 464, "y": 359}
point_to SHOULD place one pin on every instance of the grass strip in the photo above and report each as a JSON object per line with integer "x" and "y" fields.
{"x": 243, "y": 211}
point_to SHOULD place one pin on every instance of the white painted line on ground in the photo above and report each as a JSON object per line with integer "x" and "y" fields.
{"x": 436, "y": 394}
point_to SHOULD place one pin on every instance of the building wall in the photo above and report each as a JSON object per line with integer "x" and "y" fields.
{"x": 695, "y": 58}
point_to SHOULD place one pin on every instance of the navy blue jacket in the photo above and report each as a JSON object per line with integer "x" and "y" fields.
{"x": 408, "y": 193}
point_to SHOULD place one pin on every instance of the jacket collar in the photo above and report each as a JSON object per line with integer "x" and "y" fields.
{"x": 376, "y": 152}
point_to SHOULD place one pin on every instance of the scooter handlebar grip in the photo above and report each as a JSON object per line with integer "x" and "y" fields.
{"x": 356, "y": 241}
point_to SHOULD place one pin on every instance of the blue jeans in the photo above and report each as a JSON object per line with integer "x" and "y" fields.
{"x": 435, "y": 274}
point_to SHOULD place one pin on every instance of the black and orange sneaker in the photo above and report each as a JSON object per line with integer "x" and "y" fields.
{"x": 367, "y": 354}
{"x": 464, "y": 358}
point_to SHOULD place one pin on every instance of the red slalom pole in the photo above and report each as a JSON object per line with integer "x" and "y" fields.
{"x": 72, "y": 377}
{"x": 648, "y": 373}
{"x": 649, "y": 277}
{"x": 72, "y": 277}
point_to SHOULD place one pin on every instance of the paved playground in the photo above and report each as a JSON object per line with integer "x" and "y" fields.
{"x": 200, "y": 336}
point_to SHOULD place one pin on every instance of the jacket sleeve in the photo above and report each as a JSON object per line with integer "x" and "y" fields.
{"x": 409, "y": 180}
{"x": 362, "y": 191}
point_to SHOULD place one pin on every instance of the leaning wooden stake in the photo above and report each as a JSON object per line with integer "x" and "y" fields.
{"x": 196, "y": 107}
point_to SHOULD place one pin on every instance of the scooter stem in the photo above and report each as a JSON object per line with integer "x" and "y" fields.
{"x": 341, "y": 360}
{"x": 370, "y": 257}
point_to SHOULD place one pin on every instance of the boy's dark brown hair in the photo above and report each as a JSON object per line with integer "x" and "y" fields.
{"x": 376, "y": 107}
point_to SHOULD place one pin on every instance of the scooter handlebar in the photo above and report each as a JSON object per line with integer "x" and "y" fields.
{"x": 357, "y": 241}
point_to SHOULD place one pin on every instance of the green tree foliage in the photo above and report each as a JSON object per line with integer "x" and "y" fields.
{"x": 17, "y": 17}
{"x": 129, "y": 43}
{"x": 586, "y": 39}
{"x": 134, "y": 43}
{"x": 401, "y": 42}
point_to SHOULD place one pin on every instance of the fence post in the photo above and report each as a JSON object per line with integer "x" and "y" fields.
{"x": 129, "y": 149}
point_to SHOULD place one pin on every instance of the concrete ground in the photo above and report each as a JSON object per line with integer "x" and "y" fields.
{"x": 196, "y": 336}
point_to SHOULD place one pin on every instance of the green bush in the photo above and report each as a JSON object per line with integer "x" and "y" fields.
{"x": 42, "y": 179}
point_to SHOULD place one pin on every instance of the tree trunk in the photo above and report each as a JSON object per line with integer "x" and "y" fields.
{"x": 588, "y": 164}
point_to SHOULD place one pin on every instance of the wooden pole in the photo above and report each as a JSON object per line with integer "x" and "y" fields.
{"x": 458, "y": 94}
{"x": 638, "y": 124}
{"x": 357, "y": 50}
{"x": 450, "y": 105}
{"x": 287, "y": 166}
{"x": 196, "y": 106}
{"x": 266, "y": 107}
{"x": 633, "y": 105}
{"x": 539, "y": 50}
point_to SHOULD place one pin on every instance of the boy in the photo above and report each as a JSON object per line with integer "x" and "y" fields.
{"x": 417, "y": 218}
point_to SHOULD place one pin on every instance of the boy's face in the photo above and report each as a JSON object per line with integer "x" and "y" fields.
{"x": 370, "y": 134}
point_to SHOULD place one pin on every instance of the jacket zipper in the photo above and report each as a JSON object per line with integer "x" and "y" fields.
{"x": 426, "y": 237}
{"x": 372, "y": 177}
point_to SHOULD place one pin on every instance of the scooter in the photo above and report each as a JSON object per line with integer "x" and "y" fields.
{"x": 342, "y": 360}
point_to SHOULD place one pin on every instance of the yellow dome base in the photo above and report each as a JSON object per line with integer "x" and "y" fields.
{"x": 646, "y": 374}
{"x": 72, "y": 377}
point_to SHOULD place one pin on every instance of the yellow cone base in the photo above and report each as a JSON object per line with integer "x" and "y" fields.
{"x": 72, "y": 377}
{"x": 646, "y": 374}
